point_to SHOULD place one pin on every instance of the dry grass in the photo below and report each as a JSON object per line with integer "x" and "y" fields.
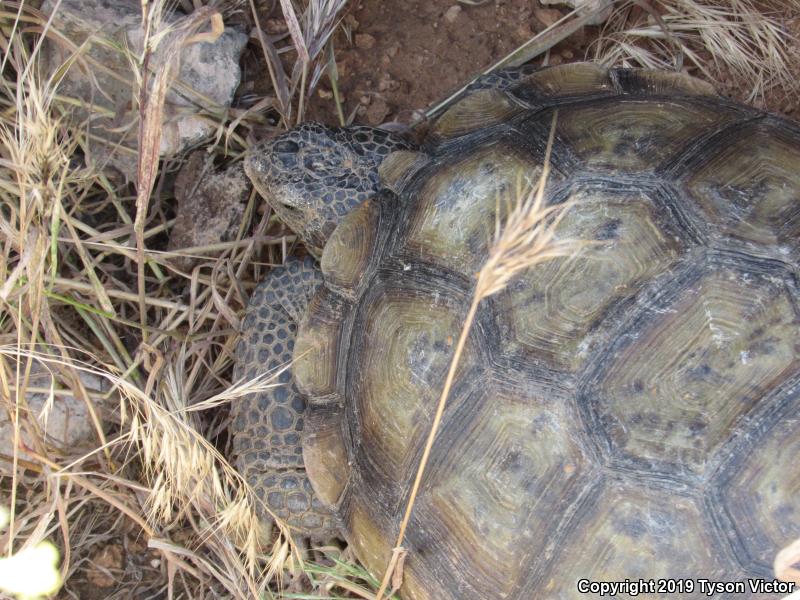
{"x": 732, "y": 42}
{"x": 309, "y": 34}
{"x": 84, "y": 291}
{"x": 736, "y": 45}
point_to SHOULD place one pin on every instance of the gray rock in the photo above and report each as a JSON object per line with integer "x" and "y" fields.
{"x": 605, "y": 8}
{"x": 66, "y": 425}
{"x": 211, "y": 204}
{"x": 103, "y": 78}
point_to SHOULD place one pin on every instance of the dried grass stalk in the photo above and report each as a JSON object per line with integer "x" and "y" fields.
{"x": 310, "y": 33}
{"x": 528, "y": 238}
{"x": 69, "y": 302}
{"x": 152, "y": 96}
{"x": 786, "y": 563}
{"x": 737, "y": 38}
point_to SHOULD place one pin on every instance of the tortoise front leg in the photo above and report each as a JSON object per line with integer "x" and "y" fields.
{"x": 268, "y": 425}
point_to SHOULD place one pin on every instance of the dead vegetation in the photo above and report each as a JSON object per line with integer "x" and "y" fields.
{"x": 153, "y": 508}
{"x": 739, "y": 44}
{"x": 87, "y": 292}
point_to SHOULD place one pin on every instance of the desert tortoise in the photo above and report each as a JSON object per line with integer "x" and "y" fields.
{"x": 631, "y": 413}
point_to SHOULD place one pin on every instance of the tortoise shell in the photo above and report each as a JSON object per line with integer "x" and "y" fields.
{"x": 632, "y": 412}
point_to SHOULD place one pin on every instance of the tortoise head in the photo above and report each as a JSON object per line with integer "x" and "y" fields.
{"x": 313, "y": 175}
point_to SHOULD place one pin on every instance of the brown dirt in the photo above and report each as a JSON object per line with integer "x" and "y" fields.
{"x": 395, "y": 58}
{"x": 120, "y": 567}
{"x": 405, "y": 55}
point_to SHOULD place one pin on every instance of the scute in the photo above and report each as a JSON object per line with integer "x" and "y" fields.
{"x": 669, "y": 83}
{"x": 452, "y": 214}
{"x": 689, "y": 369}
{"x": 547, "y": 86}
{"x": 325, "y": 451}
{"x": 749, "y": 188}
{"x": 352, "y": 247}
{"x": 550, "y": 309}
{"x": 480, "y": 109}
{"x": 757, "y": 491}
{"x": 636, "y": 135}
{"x": 628, "y": 532}
{"x": 399, "y": 167}
{"x": 513, "y": 470}
{"x": 400, "y": 350}
{"x": 370, "y": 545}
{"x": 316, "y": 350}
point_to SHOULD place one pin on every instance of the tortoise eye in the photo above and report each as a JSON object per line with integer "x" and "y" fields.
{"x": 286, "y": 147}
{"x": 289, "y": 161}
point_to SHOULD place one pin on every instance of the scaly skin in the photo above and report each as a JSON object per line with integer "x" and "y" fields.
{"x": 311, "y": 176}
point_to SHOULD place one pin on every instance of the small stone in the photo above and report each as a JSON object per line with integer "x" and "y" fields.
{"x": 392, "y": 50}
{"x": 364, "y": 100}
{"x": 365, "y": 41}
{"x": 556, "y": 60}
{"x": 324, "y": 94}
{"x": 209, "y": 73}
{"x": 377, "y": 111}
{"x": 603, "y": 8}
{"x": 64, "y": 420}
{"x": 387, "y": 83}
{"x": 351, "y": 21}
{"x": 103, "y": 564}
{"x": 567, "y": 54}
{"x": 547, "y": 16}
{"x": 275, "y": 26}
{"x": 451, "y": 14}
{"x": 524, "y": 31}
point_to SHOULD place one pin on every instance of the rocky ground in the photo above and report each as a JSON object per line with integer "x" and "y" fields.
{"x": 395, "y": 58}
